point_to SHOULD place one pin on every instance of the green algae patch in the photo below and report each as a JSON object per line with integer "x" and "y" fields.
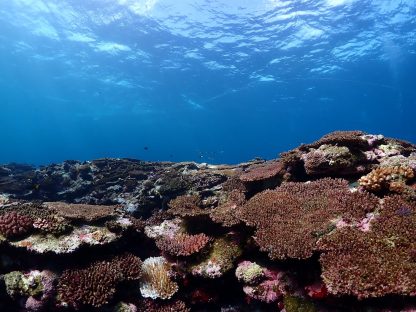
{"x": 220, "y": 259}
{"x": 297, "y": 304}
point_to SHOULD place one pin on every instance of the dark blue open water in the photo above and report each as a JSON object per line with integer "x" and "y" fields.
{"x": 206, "y": 80}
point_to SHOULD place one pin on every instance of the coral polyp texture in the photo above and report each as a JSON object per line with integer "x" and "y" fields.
{"x": 183, "y": 244}
{"x": 327, "y": 226}
{"x": 377, "y": 262}
{"x": 14, "y": 224}
{"x": 290, "y": 219}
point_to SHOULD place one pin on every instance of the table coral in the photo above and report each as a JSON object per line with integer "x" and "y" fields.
{"x": 186, "y": 206}
{"x": 290, "y": 219}
{"x": 83, "y": 212}
{"x": 83, "y": 235}
{"x": 355, "y": 139}
{"x": 376, "y": 262}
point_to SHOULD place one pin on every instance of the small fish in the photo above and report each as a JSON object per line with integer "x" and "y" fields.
{"x": 146, "y": 148}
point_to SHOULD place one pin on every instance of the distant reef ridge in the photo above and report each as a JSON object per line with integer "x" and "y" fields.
{"x": 327, "y": 226}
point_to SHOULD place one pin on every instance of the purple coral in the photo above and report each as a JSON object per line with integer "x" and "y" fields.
{"x": 267, "y": 291}
{"x": 270, "y": 288}
{"x": 34, "y": 304}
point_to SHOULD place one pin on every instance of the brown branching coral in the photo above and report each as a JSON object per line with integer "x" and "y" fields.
{"x": 52, "y": 224}
{"x": 387, "y": 178}
{"x": 186, "y": 206}
{"x": 95, "y": 285}
{"x": 83, "y": 212}
{"x": 129, "y": 265}
{"x": 290, "y": 219}
{"x": 13, "y": 224}
{"x": 377, "y": 262}
{"x": 182, "y": 244}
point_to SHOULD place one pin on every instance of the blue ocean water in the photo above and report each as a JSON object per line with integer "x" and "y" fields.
{"x": 220, "y": 81}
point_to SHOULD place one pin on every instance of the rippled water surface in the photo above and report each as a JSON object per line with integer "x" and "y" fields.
{"x": 206, "y": 80}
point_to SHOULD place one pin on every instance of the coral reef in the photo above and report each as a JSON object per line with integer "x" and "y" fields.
{"x": 174, "y": 306}
{"x": 225, "y": 212}
{"x": 329, "y": 226}
{"x": 329, "y": 159}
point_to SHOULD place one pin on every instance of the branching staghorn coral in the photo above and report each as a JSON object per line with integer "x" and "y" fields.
{"x": 95, "y": 285}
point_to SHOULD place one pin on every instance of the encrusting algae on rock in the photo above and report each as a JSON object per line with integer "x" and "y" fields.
{"x": 328, "y": 226}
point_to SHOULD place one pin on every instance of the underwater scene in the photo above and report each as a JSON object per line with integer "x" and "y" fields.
{"x": 208, "y": 155}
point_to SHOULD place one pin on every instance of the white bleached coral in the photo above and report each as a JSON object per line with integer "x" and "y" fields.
{"x": 156, "y": 281}
{"x": 86, "y": 234}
